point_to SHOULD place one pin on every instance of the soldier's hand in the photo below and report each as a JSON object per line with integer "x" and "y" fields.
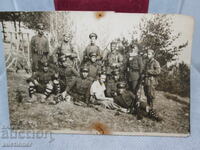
{"x": 138, "y": 104}
{"x": 56, "y": 75}
{"x": 36, "y": 82}
{"x": 114, "y": 94}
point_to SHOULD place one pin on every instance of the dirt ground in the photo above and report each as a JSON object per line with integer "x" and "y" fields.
{"x": 66, "y": 115}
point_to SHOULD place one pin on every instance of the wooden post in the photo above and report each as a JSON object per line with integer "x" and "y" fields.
{"x": 29, "y": 63}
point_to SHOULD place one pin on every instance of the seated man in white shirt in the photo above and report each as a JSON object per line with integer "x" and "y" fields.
{"x": 97, "y": 92}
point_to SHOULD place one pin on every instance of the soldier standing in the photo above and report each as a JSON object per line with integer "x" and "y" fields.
{"x": 92, "y": 47}
{"x": 135, "y": 68}
{"x": 80, "y": 87}
{"x": 39, "y": 48}
{"x": 114, "y": 59}
{"x": 41, "y": 82}
{"x": 93, "y": 65}
{"x": 152, "y": 70}
{"x": 65, "y": 47}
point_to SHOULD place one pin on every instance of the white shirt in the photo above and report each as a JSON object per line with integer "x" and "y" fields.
{"x": 98, "y": 89}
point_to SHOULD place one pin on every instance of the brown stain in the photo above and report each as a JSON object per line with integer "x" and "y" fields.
{"x": 100, "y": 127}
{"x": 99, "y": 14}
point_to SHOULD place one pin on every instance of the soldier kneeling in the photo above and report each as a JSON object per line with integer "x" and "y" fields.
{"x": 41, "y": 82}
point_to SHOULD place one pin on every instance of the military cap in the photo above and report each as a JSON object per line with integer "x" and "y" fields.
{"x": 44, "y": 62}
{"x": 84, "y": 69}
{"x": 40, "y": 26}
{"x": 92, "y": 54}
{"x": 62, "y": 58}
{"x": 121, "y": 85}
{"x": 93, "y": 35}
{"x": 150, "y": 51}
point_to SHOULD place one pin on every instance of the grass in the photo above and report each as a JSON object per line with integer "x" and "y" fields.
{"x": 65, "y": 115}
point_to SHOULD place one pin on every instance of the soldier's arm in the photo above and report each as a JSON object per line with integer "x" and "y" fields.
{"x": 87, "y": 94}
{"x": 33, "y": 78}
{"x": 120, "y": 59}
{"x": 47, "y": 47}
{"x": 85, "y": 57}
{"x": 108, "y": 90}
{"x": 156, "y": 69}
{"x": 70, "y": 87}
{"x": 140, "y": 63}
{"x": 75, "y": 72}
{"x": 99, "y": 55}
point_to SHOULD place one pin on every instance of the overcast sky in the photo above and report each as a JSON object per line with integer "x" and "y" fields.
{"x": 114, "y": 25}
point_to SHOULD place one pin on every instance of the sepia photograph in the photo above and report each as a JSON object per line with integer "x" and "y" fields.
{"x": 98, "y": 72}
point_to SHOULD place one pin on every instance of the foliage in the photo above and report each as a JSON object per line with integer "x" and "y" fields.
{"x": 157, "y": 34}
{"x": 175, "y": 79}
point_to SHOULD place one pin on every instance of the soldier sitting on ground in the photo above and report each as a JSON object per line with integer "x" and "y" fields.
{"x": 111, "y": 84}
{"x": 127, "y": 100}
{"x": 92, "y": 65}
{"x": 80, "y": 87}
{"x": 97, "y": 93}
{"x": 41, "y": 82}
{"x": 64, "y": 77}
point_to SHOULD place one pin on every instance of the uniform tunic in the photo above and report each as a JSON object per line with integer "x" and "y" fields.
{"x": 80, "y": 88}
{"x": 66, "y": 76}
{"x": 91, "y": 48}
{"x": 111, "y": 87}
{"x": 39, "y": 47}
{"x": 113, "y": 59}
{"x": 135, "y": 67}
{"x": 43, "y": 78}
{"x": 152, "y": 70}
{"x": 93, "y": 69}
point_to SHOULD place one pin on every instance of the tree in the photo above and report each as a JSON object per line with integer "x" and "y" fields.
{"x": 157, "y": 34}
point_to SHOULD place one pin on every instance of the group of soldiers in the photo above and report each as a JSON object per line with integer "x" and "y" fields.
{"x": 112, "y": 82}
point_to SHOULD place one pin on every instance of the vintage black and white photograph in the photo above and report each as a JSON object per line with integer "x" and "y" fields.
{"x": 98, "y": 72}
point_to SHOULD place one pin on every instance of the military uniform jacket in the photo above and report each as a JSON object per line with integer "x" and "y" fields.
{"x": 111, "y": 87}
{"x": 125, "y": 99}
{"x": 93, "y": 69}
{"x": 114, "y": 58}
{"x": 65, "y": 48}
{"x": 152, "y": 70}
{"x": 81, "y": 86}
{"x": 67, "y": 74}
{"x": 42, "y": 77}
{"x": 39, "y": 45}
{"x": 135, "y": 67}
{"x": 92, "y": 48}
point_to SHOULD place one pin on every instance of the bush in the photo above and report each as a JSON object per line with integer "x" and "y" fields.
{"x": 175, "y": 79}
